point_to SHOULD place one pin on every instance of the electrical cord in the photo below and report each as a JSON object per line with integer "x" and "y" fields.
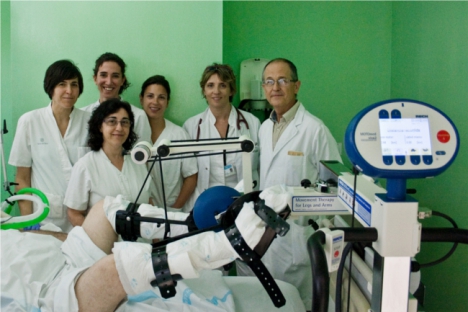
{"x": 356, "y": 172}
{"x": 451, "y": 251}
{"x": 339, "y": 277}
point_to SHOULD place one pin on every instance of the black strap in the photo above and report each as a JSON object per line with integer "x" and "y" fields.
{"x": 126, "y": 224}
{"x": 164, "y": 280}
{"x": 272, "y": 219}
{"x": 253, "y": 261}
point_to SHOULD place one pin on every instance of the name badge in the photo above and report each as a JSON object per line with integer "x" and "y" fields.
{"x": 295, "y": 153}
{"x": 229, "y": 170}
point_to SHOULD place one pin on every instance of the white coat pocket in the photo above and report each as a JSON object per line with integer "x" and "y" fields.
{"x": 294, "y": 168}
{"x": 55, "y": 205}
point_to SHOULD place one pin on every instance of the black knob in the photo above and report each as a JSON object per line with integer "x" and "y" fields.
{"x": 247, "y": 146}
{"x": 306, "y": 183}
{"x": 139, "y": 156}
{"x": 163, "y": 150}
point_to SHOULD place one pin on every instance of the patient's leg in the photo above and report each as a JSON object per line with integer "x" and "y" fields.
{"x": 130, "y": 269}
{"x": 99, "y": 229}
{"x": 100, "y": 222}
{"x": 99, "y": 287}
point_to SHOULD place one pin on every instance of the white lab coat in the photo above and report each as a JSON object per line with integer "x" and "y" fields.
{"x": 174, "y": 171}
{"x": 297, "y": 154}
{"x": 39, "y": 145}
{"x": 142, "y": 127}
{"x": 208, "y": 130}
{"x": 95, "y": 177}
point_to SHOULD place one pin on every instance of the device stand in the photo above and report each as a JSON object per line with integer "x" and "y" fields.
{"x": 390, "y": 283}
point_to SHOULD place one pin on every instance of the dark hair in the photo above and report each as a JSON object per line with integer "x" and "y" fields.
{"x": 159, "y": 80}
{"x": 58, "y": 72}
{"x": 112, "y": 57}
{"x": 95, "y": 138}
{"x": 224, "y": 72}
{"x": 292, "y": 67}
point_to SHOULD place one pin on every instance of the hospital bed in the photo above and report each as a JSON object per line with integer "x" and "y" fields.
{"x": 28, "y": 258}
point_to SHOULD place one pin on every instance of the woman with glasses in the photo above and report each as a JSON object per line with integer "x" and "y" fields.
{"x": 111, "y": 81}
{"x": 180, "y": 175}
{"x": 50, "y": 140}
{"x": 106, "y": 171}
{"x": 222, "y": 120}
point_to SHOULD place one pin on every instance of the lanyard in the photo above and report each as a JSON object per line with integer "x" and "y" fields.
{"x": 224, "y": 151}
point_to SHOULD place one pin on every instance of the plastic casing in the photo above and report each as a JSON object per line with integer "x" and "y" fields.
{"x": 363, "y": 143}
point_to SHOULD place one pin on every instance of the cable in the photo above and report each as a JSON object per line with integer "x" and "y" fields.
{"x": 355, "y": 171}
{"x": 167, "y": 227}
{"x": 451, "y": 251}
{"x": 339, "y": 277}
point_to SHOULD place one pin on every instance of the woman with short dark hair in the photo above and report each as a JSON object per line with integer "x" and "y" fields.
{"x": 50, "y": 140}
{"x": 106, "y": 171}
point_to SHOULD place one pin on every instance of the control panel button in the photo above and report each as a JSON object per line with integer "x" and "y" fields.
{"x": 388, "y": 160}
{"x": 415, "y": 159}
{"x": 383, "y": 114}
{"x": 427, "y": 159}
{"x": 443, "y": 136}
{"x": 396, "y": 114}
{"x": 400, "y": 160}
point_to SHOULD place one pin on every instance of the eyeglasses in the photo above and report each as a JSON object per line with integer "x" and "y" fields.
{"x": 112, "y": 122}
{"x": 281, "y": 82}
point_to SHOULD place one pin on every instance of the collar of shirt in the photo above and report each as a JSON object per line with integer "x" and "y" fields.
{"x": 232, "y": 117}
{"x": 288, "y": 116}
{"x": 51, "y": 112}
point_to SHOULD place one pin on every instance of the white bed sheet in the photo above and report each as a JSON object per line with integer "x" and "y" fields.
{"x": 30, "y": 261}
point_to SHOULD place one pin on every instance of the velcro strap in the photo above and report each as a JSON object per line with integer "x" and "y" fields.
{"x": 127, "y": 225}
{"x": 164, "y": 280}
{"x": 272, "y": 219}
{"x": 253, "y": 261}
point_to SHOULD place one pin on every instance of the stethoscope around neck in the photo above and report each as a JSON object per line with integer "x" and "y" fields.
{"x": 240, "y": 119}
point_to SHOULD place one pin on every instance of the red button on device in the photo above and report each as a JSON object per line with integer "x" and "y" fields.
{"x": 337, "y": 253}
{"x": 443, "y": 136}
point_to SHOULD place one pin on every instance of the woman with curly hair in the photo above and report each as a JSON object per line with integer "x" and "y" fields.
{"x": 106, "y": 171}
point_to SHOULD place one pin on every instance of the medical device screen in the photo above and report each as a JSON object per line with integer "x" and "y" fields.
{"x": 405, "y": 136}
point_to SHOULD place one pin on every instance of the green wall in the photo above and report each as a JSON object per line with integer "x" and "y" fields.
{"x": 5, "y": 84}
{"x": 349, "y": 55}
{"x": 352, "y": 54}
{"x": 341, "y": 49}
{"x": 430, "y": 63}
{"x": 176, "y": 39}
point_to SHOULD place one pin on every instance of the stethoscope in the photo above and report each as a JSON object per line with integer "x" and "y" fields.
{"x": 240, "y": 119}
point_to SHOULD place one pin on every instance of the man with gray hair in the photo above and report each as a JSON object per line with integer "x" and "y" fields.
{"x": 292, "y": 144}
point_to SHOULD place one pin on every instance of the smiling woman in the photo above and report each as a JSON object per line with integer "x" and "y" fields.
{"x": 106, "y": 171}
{"x": 111, "y": 81}
{"x": 50, "y": 140}
{"x": 222, "y": 120}
{"x": 180, "y": 175}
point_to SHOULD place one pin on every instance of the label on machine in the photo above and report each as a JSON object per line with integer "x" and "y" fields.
{"x": 363, "y": 209}
{"x": 307, "y": 201}
{"x": 314, "y": 203}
